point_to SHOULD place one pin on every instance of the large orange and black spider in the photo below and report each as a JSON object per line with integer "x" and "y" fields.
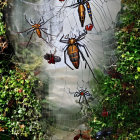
{"x": 73, "y": 50}
{"x": 38, "y": 28}
{"x": 81, "y": 10}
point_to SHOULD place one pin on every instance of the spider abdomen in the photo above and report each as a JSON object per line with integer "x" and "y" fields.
{"x": 38, "y": 33}
{"x": 73, "y": 53}
{"x": 81, "y": 11}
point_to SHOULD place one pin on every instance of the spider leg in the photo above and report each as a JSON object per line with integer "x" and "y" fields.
{"x": 87, "y": 93}
{"x": 78, "y": 86}
{"x": 47, "y": 42}
{"x": 42, "y": 21}
{"x": 43, "y": 28}
{"x": 88, "y": 65}
{"x": 82, "y": 36}
{"x": 88, "y": 50}
{"x": 88, "y": 53}
{"x": 80, "y": 99}
{"x": 84, "y": 46}
{"x": 65, "y": 59}
{"x": 77, "y": 94}
{"x": 25, "y": 30}
{"x": 86, "y": 1}
{"x": 65, "y": 47}
{"x": 27, "y": 20}
{"x": 63, "y": 41}
{"x": 32, "y": 22}
{"x": 30, "y": 31}
{"x": 84, "y": 90}
{"x": 39, "y": 21}
{"x": 74, "y": 5}
{"x": 67, "y": 36}
{"x": 74, "y": 35}
{"x": 86, "y": 100}
{"x": 71, "y": 92}
{"x": 45, "y": 32}
{"x": 30, "y": 38}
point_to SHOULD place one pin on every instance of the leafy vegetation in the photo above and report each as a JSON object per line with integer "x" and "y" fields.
{"x": 20, "y": 110}
{"x": 120, "y": 88}
{"x": 2, "y": 27}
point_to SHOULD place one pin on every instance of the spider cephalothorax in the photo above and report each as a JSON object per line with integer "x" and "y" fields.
{"x": 72, "y": 41}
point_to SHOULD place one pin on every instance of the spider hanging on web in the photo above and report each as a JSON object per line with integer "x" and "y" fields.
{"x": 97, "y": 11}
{"x": 82, "y": 94}
{"x": 36, "y": 27}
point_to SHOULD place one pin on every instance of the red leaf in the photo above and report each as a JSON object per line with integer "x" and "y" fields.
{"x": 77, "y": 137}
{"x": 20, "y": 90}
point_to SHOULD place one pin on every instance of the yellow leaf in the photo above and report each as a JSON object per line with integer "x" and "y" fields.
{"x": 138, "y": 69}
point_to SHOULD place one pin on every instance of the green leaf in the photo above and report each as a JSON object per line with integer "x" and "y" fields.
{"x": 138, "y": 69}
{"x": 136, "y": 76}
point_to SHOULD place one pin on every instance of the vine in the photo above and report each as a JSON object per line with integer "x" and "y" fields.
{"x": 120, "y": 88}
{"x": 20, "y": 110}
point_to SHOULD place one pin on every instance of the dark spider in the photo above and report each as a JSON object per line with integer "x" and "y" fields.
{"x": 82, "y": 94}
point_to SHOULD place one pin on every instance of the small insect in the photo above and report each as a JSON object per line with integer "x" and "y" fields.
{"x": 103, "y": 134}
{"x": 83, "y": 136}
{"x": 73, "y": 50}
{"x": 89, "y": 27}
{"x": 3, "y": 44}
{"x": 38, "y": 28}
{"x": 128, "y": 28}
{"x": 2, "y": 129}
{"x": 82, "y": 94}
{"x": 113, "y": 73}
{"x": 81, "y": 10}
{"x": 104, "y": 113}
{"x": 52, "y": 59}
{"x": 11, "y": 102}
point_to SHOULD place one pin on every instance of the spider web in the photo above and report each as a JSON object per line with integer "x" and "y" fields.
{"x": 101, "y": 45}
{"x": 31, "y": 58}
{"x": 66, "y": 113}
{"x": 102, "y": 18}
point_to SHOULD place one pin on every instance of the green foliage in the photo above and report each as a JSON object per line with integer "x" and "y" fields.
{"x": 3, "y": 3}
{"x": 2, "y": 27}
{"x": 119, "y": 90}
{"x": 20, "y": 111}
